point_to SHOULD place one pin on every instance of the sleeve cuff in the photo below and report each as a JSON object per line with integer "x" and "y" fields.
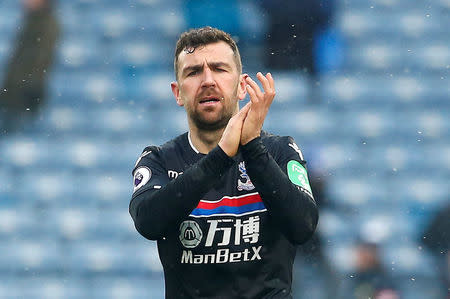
{"x": 220, "y": 155}
{"x": 253, "y": 149}
{"x": 217, "y": 161}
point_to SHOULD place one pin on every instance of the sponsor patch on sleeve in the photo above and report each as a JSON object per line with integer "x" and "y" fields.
{"x": 141, "y": 176}
{"x": 298, "y": 175}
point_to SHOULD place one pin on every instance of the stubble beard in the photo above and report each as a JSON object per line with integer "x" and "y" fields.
{"x": 213, "y": 125}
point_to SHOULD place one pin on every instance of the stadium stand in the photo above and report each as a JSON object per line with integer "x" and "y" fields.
{"x": 381, "y": 133}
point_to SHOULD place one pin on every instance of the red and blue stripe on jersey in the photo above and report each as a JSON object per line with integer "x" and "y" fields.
{"x": 230, "y": 205}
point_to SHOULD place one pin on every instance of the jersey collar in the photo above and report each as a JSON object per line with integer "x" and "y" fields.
{"x": 191, "y": 144}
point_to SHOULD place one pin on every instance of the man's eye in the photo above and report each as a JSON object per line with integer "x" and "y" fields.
{"x": 220, "y": 70}
{"x": 193, "y": 73}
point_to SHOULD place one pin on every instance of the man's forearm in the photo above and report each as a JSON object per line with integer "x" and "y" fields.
{"x": 154, "y": 211}
{"x": 292, "y": 209}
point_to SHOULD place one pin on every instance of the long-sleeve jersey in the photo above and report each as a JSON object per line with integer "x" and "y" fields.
{"x": 225, "y": 227}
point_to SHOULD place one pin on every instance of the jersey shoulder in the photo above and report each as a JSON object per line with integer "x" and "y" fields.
{"x": 160, "y": 153}
{"x": 150, "y": 151}
{"x": 273, "y": 139}
{"x": 172, "y": 145}
{"x": 280, "y": 146}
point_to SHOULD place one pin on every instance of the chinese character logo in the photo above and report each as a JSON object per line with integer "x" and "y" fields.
{"x": 190, "y": 234}
{"x": 247, "y": 230}
{"x": 247, "y": 183}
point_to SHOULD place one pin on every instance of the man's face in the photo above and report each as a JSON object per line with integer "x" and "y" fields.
{"x": 209, "y": 85}
{"x": 34, "y": 4}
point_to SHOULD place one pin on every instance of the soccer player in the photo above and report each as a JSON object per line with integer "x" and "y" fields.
{"x": 227, "y": 202}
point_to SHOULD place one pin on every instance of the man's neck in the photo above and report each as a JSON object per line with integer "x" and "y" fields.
{"x": 205, "y": 141}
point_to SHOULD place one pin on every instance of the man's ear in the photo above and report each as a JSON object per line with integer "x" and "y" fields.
{"x": 176, "y": 93}
{"x": 242, "y": 90}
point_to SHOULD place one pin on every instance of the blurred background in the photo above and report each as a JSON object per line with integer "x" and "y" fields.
{"x": 363, "y": 87}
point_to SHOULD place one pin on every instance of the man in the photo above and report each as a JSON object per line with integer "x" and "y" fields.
{"x": 23, "y": 89}
{"x": 227, "y": 202}
{"x": 436, "y": 238}
{"x": 293, "y": 34}
{"x": 370, "y": 279}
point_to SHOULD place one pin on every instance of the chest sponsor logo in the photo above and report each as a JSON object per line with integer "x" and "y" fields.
{"x": 244, "y": 183}
{"x": 190, "y": 234}
{"x": 230, "y": 205}
{"x": 141, "y": 176}
{"x": 246, "y": 231}
{"x": 220, "y": 233}
{"x": 222, "y": 256}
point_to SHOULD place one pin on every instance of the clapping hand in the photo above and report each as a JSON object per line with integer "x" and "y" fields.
{"x": 260, "y": 104}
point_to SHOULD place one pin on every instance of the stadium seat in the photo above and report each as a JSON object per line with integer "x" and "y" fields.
{"x": 125, "y": 288}
{"x": 116, "y": 223}
{"x": 31, "y": 255}
{"x": 80, "y": 53}
{"x": 51, "y": 287}
{"x": 6, "y": 187}
{"x": 106, "y": 189}
{"x": 379, "y": 134}
{"x": 154, "y": 88}
{"x": 357, "y": 191}
{"x": 341, "y": 256}
{"x": 376, "y": 56}
{"x": 18, "y": 222}
{"x": 291, "y": 89}
{"x": 93, "y": 257}
{"x": 408, "y": 258}
{"x": 334, "y": 227}
{"x": 214, "y": 13}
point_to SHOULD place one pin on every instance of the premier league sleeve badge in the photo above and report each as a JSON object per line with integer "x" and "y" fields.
{"x": 141, "y": 176}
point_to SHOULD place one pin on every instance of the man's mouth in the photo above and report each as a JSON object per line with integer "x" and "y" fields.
{"x": 209, "y": 100}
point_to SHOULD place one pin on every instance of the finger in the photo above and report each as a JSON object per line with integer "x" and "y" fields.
{"x": 243, "y": 112}
{"x": 271, "y": 81}
{"x": 239, "y": 118}
{"x": 264, "y": 82}
{"x": 255, "y": 87}
{"x": 246, "y": 108}
{"x": 253, "y": 96}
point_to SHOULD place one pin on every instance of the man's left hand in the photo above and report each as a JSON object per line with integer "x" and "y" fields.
{"x": 261, "y": 102}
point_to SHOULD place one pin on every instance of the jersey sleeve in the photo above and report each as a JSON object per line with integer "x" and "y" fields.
{"x": 149, "y": 171}
{"x": 291, "y": 161}
{"x": 159, "y": 204}
{"x": 283, "y": 185}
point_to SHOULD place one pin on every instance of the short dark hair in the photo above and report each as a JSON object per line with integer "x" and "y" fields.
{"x": 204, "y": 36}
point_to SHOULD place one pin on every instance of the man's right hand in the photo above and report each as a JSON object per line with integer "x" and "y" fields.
{"x": 231, "y": 137}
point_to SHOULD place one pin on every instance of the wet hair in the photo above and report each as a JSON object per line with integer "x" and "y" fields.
{"x": 194, "y": 38}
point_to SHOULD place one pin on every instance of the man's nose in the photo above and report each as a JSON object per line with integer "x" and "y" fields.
{"x": 208, "y": 78}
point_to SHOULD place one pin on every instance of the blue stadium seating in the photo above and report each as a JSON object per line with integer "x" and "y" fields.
{"x": 379, "y": 134}
{"x": 43, "y": 286}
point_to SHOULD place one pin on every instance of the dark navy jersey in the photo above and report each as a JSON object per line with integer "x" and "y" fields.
{"x": 225, "y": 227}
